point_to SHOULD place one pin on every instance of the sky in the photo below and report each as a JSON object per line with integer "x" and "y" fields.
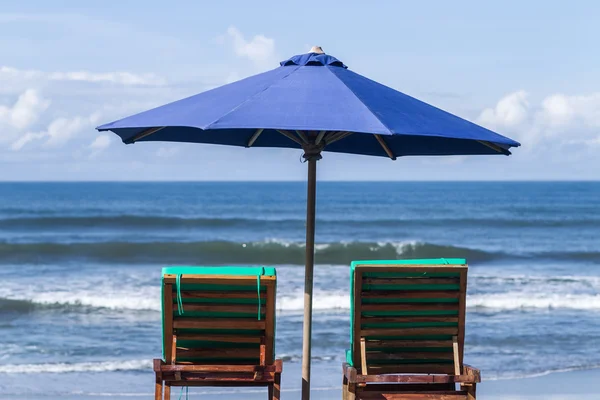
{"x": 527, "y": 70}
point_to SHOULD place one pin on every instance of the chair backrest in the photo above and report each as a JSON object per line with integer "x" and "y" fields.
{"x": 410, "y": 315}
{"x": 218, "y": 315}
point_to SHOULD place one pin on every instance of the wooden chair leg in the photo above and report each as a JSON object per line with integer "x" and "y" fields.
{"x": 351, "y": 391}
{"x": 275, "y": 388}
{"x": 471, "y": 391}
{"x": 158, "y": 388}
{"x": 344, "y": 387}
{"x": 270, "y": 395}
{"x": 167, "y": 392}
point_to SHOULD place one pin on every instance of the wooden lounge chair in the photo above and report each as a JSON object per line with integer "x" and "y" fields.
{"x": 407, "y": 331}
{"x": 218, "y": 329}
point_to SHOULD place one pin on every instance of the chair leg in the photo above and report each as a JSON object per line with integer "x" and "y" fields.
{"x": 167, "y": 392}
{"x": 351, "y": 391}
{"x": 344, "y": 387}
{"x": 471, "y": 391}
{"x": 275, "y": 388}
{"x": 158, "y": 388}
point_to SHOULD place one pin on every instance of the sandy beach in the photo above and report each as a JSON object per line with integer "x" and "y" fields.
{"x": 555, "y": 386}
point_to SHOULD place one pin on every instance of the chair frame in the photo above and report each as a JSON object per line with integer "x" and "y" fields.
{"x": 169, "y": 372}
{"x": 357, "y": 383}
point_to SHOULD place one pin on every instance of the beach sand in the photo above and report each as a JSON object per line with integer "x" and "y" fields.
{"x": 555, "y": 386}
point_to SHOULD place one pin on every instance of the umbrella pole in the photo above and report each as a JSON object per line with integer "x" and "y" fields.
{"x": 308, "y": 275}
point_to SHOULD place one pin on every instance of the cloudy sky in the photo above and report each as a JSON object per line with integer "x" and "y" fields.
{"x": 528, "y": 70}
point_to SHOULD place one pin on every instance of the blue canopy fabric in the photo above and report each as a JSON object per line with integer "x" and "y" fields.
{"x": 311, "y": 93}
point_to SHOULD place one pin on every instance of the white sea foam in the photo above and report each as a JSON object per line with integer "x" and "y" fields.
{"x": 58, "y": 368}
{"x": 505, "y": 292}
{"x": 524, "y": 300}
{"x": 327, "y": 301}
{"x": 101, "y": 296}
{"x": 321, "y": 301}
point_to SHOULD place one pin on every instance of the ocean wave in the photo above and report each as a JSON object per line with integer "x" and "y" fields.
{"x": 525, "y": 300}
{"x": 133, "y": 222}
{"x": 293, "y": 303}
{"x": 537, "y": 374}
{"x": 146, "y": 300}
{"x": 58, "y": 368}
{"x": 270, "y": 252}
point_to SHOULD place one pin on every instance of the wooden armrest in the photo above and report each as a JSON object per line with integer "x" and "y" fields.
{"x": 349, "y": 372}
{"x": 157, "y": 364}
{"x": 472, "y": 372}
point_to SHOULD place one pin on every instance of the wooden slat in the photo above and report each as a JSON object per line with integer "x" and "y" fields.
{"x": 234, "y": 308}
{"x": 190, "y": 294}
{"x": 219, "y": 279}
{"x": 407, "y": 378}
{"x": 412, "y": 368}
{"x": 384, "y": 355}
{"x": 270, "y": 324}
{"x": 407, "y": 319}
{"x": 363, "y": 356}
{"x": 409, "y": 387}
{"x": 374, "y": 344}
{"x": 217, "y": 353}
{"x": 358, "y": 279}
{"x": 421, "y": 268}
{"x": 455, "y": 355}
{"x": 219, "y": 368}
{"x": 238, "y": 323}
{"x": 168, "y": 333}
{"x": 421, "y": 280}
{"x": 450, "y": 395}
{"x": 232, "y": 338}
{"x": 462, "y": 309}
{"x": 416, "y": 294}
{"x": 408, "y": 331}
{"x": 229, "y": 383}
{"x": 410, "y": 307}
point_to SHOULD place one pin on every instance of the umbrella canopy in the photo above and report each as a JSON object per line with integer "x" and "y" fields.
{"x": 314, "y": 102}
{"x": 312, "y": 92}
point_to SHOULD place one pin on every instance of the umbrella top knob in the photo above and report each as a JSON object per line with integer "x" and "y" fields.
{"x": 316, "y": 57}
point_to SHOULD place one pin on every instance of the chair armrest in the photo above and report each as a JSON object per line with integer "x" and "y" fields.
{"x": 472, "y": 372}
{"x": 349, "y": 372}
{"x": 157, "y": 364}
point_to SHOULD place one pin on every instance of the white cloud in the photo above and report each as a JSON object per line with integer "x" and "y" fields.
{"x": 122, "y": 78}
{"x": 510, "y": 111}
{"x": 557, "y": 120}
{"x": 101, "y": 142}
{"x": 58, "y": 132}
{"x": 260, "y": 49}
{"x": 26, "y": 110}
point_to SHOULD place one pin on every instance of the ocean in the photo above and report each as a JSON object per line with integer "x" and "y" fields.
{"x": 80, "y": 271}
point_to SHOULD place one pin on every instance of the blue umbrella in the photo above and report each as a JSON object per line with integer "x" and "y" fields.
{"x": 315, "y": 103}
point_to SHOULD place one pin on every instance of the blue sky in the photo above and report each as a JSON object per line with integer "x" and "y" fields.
{"x": 528, "y": 70}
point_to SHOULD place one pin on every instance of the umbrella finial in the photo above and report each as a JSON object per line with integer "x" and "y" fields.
{"x": 317, "y": 49}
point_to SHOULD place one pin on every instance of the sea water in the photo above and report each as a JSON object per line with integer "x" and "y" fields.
{"x": 80, "y": 271}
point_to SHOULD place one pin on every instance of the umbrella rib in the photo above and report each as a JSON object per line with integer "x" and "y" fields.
{"x": 494, "y": 147}
{"x": 337, "y": 136}
{"x": 320, "y": 137}
{"x": 302, "y": 136}
{"x": 385, "y": 147}
{"x": 145, "y": 133}
{"x": 290, "y": 136}
{"x": 254, "y": 136}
